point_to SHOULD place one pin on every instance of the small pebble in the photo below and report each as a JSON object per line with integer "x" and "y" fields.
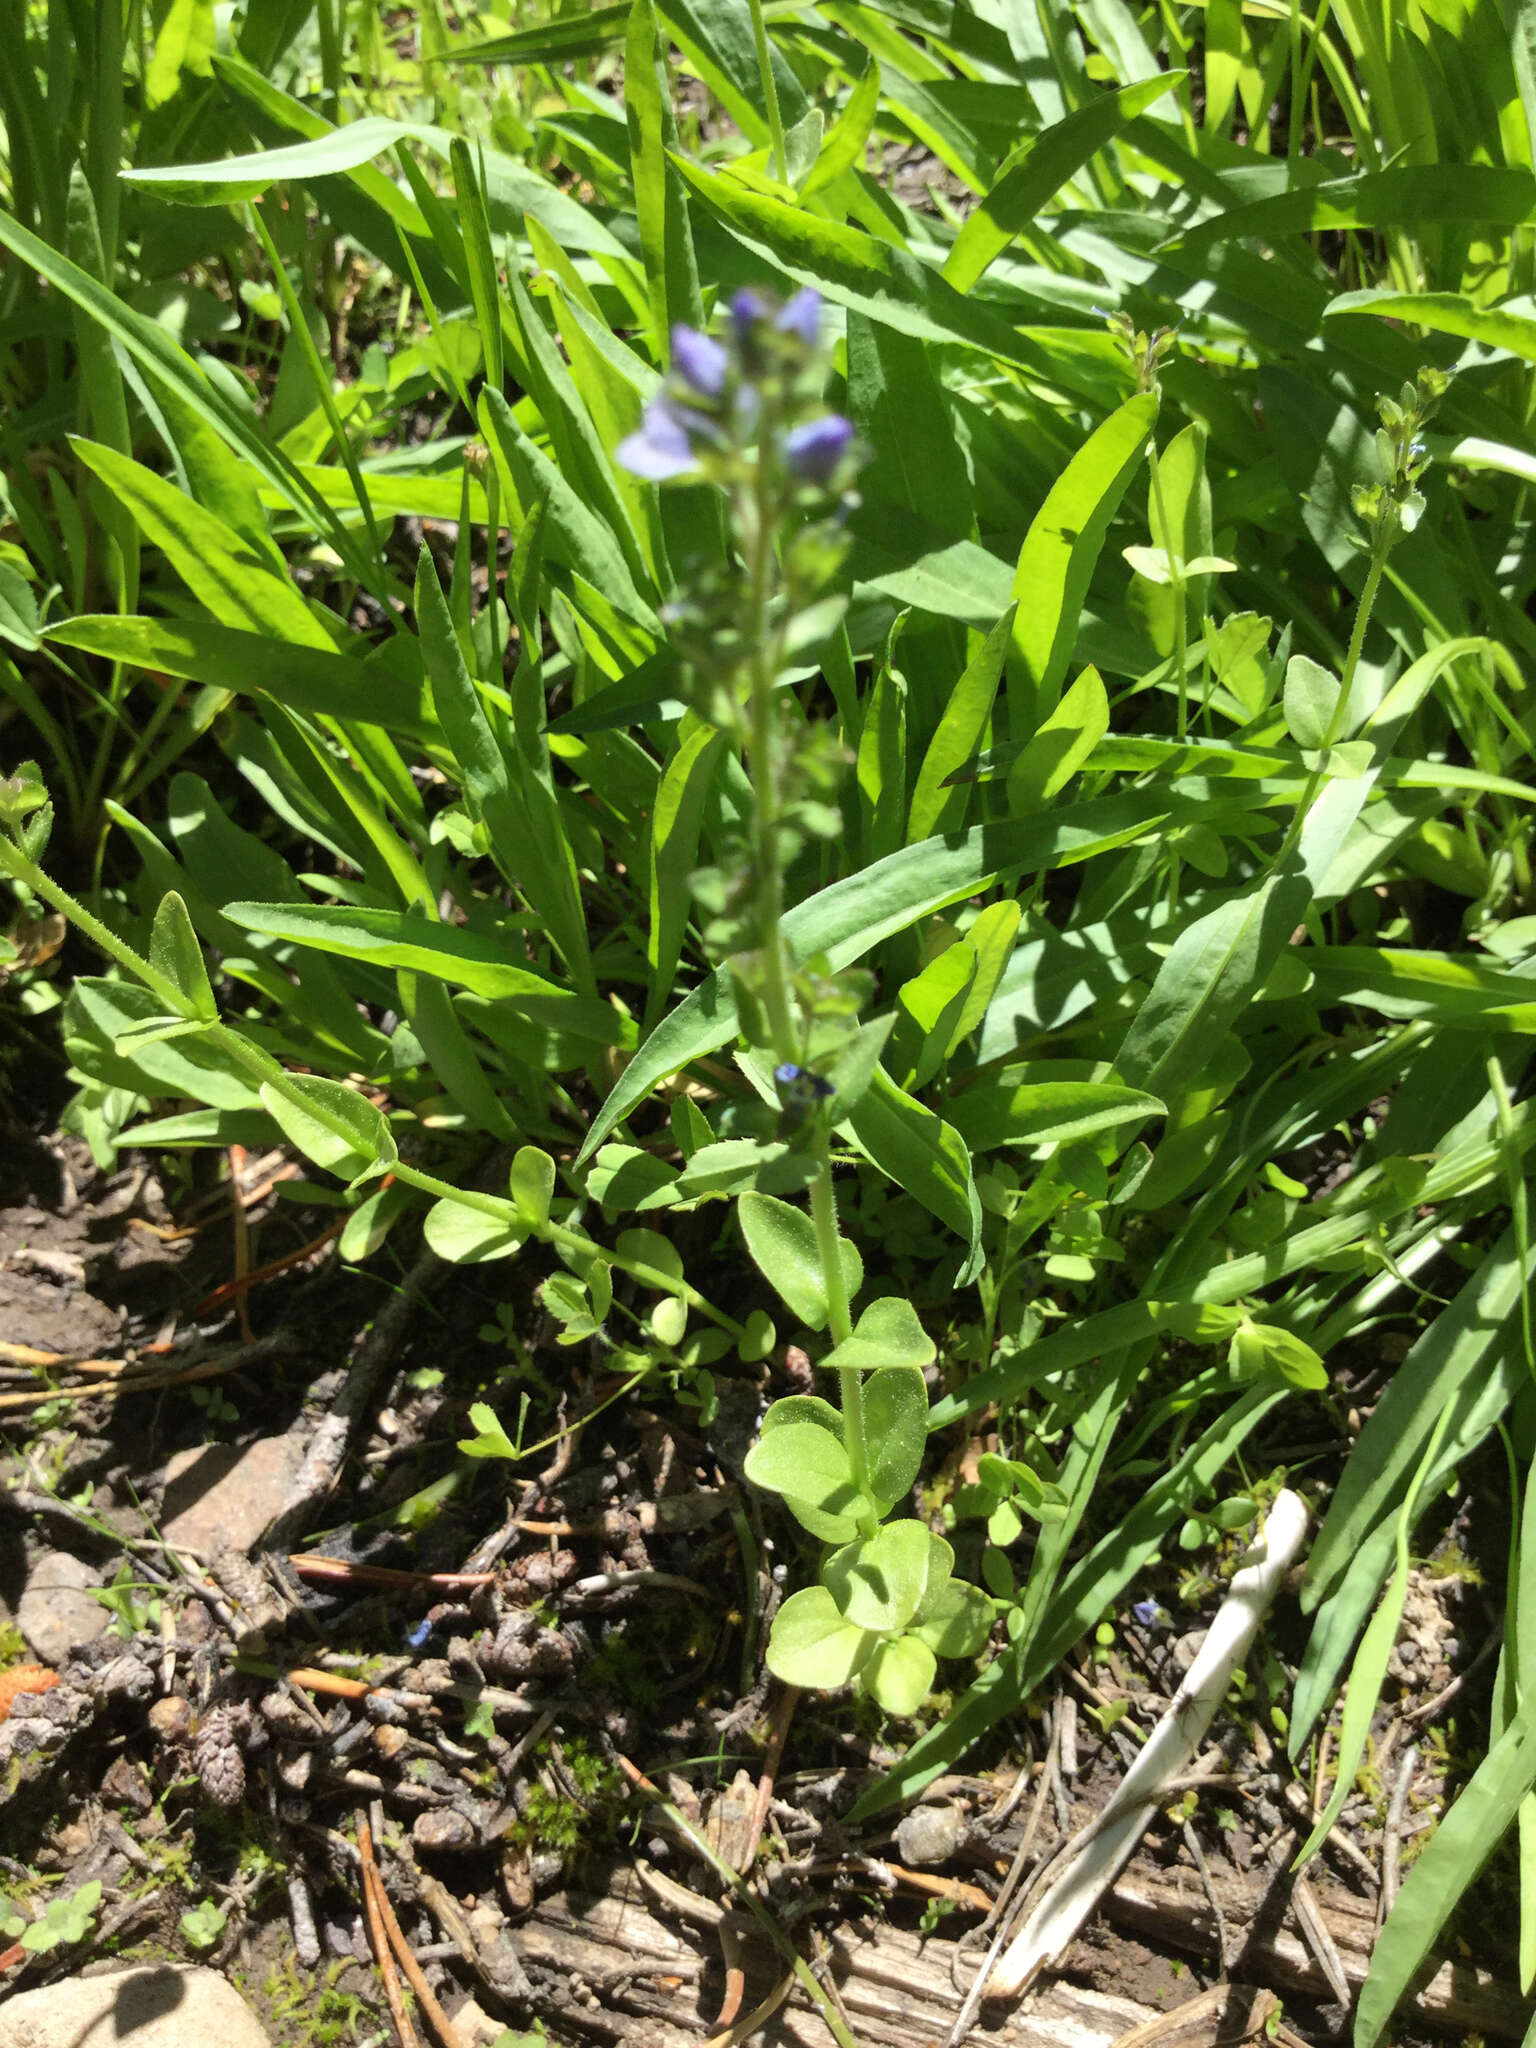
{"x": 443, "y": 1830}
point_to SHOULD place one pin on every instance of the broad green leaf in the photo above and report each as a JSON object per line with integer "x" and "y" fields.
{"x": 680, "y": 799}
{"x": 958, "y": 1623}
{"x": 649, "y": 1248}
{"x": 304, "y": 678}
{"x": 467, "y": 1237}
{"x": 877, "y": 1581}
{"x": 880, "y": 766}
{"x": 1060, "y": 551}
{"x": 661, "y": 207}
{"x": 186, "y": 42}
{"x": 18, "y": 608}
{"x": 805, "y": 1460}
{"x": 899, "y": 1676}
{"x": 812, "y": 1645}
{"x": 1219, "y": 963}
{"x": 393, "y": 938}
{"x": 175, "y": 953}
{"x": 936, "y": 806}
{"x": 901, "y": 409}
{"x": 218, "y": 565}
{"x": 99, "y": 1014}
{"x": 1457, "y": 990}
{"x": 575, "y": 534}
{"x": 1446, "y": 313}
{"x": 338, "y": 149}
{"x": 1063, "y": 742}
{"x": 782, "y": 1241}
{"x": 370, "y": 1222}
{"x": 894, "y": 1406}
{"x": 1261, "y": 1347}
{"x": 924, "y": 1156}
{"x": 1037, "y": 170}
{"x": 858, "y": 270}
{"x": 525, "y": 833}
{"x": 1413, "y": 196}
{"x": 928, "y": 1012}
{"x": 854, "y": 915}
{"x": 331, "y": 1124}
{"x": 888, "y": 1333}
{"x": 490, "y": 1439}
{"x": 532, "y": 1185}
{"x": 1005, "y": 1112}
{"x": 1311, "y": 695}
{"x": 991, "y": 938}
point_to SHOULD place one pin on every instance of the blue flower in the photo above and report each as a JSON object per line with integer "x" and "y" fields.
{"x": 799, "y": 1087}
{"x": 663, "y": 447}
{"x": 814, "y": 450}
{"x": 748, "y": 310}
{"x": 699, "y": 361}
{"x": 801, "y": 317}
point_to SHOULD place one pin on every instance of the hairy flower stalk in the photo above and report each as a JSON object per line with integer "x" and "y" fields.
{"x": 742, "y": 411}
{"x": 738, "y": 412}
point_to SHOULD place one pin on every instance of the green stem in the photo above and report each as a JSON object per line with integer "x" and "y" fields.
{"x": 839, "y": 1314}
{"x": 765, "y": 775}
{"x": 1180, "y": 587}
{"x": 770, "y": 91}
{"x": 570, "y": 1240}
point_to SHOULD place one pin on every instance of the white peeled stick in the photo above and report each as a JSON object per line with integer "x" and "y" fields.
{"x": 1107, "y": 1847}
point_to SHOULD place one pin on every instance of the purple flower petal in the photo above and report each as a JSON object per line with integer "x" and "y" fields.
{"x": 748, "y": 308}
{"x": 662, "y": 448}
{"x": 699, "y": 361}
{"x": 814, "y": 450}
{"x": 801, "y": 317}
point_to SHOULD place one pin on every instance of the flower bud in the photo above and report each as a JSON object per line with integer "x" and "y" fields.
{"x": 814, "y": 450}
{"x": 801, "y": 317}
{"x": 699, "y": 361}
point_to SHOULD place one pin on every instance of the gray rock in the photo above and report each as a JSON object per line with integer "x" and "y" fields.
{"x": 931, "y": 1834}
{"x": 224, "y": 1495}
{"x": 56, "y": 1612}
{"x": 165, "y": 2006}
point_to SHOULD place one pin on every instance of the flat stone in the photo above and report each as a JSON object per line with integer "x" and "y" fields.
{"x": 226, "y": 1494}
{"x": 56, "y": 1611}
{"x": 168, "y": 2005}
